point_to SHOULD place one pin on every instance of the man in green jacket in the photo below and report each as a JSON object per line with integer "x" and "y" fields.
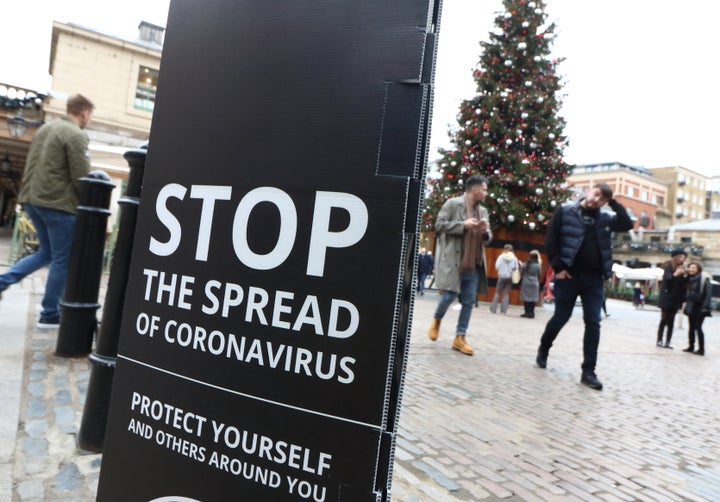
{"x": 49, "y": 194}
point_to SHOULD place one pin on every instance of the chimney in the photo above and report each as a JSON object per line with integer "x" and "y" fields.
{"x": 151, "y": 33}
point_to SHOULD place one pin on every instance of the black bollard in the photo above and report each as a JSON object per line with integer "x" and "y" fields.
{"x": 97, "y": 401}
{"x": 80, "y": 299}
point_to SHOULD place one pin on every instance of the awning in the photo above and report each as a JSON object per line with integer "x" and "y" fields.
{"x": 637, "y": 274}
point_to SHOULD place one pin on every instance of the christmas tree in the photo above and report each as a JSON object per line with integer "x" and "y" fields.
{"x": 510, "y": 131}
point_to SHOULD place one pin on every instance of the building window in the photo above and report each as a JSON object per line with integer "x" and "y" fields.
{"x": 146, "y": 89}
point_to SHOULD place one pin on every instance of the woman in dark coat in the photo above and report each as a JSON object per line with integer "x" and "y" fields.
{"x": 672, "y": 295}
{"x": 697, "y": 306}
{"x": 530, "y": 283}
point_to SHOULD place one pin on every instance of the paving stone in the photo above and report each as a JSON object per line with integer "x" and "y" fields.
{"x": 61, "y": 381}
{"x": 64, "y": 415}
{"x": 68, "y": 479}
{"x": 36, "y": 388}
{"x": 36, "y": 408}
{"x": 32, "y": 490}
{"x": 63, "y": 397}
{"x": 436, "y": 475}
{"x": 39, "y": 366}
{"x": 35, "y": 447}
{"x": 36, "y": 428}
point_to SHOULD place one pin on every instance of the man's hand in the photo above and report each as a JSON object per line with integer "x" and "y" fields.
{"x": 563, "y": 275}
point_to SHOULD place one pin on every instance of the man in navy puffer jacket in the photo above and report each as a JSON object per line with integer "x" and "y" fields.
{"x": 579, "y": 249}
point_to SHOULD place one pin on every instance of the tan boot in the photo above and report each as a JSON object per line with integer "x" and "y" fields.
{"x": 459, "y": 344}
{"x": 434, "y": 330}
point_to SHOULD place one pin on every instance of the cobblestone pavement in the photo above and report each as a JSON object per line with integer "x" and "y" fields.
{"x": 487, "y": 427}
{"x": 495, "y": 427}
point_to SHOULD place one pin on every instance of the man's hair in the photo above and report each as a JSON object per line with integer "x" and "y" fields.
{"x": 474, "y": 180}
{"x": 605, "y": 190}
{"x": 77, "y": 103}
{"x": 508, "y": 247}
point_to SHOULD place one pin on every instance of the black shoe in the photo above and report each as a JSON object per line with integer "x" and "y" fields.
{"x": 668, "y": 346}
{"x": 524, "y": 315}
{"x": 49, "y": 322}
{"x": 588, "y": 378}
{"x": 700, "y": 352}
{"x": 689, "y": 349}
{"x": 541, "y": 359}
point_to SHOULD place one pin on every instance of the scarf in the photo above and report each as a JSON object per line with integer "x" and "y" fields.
{"x": 472, "y": 247}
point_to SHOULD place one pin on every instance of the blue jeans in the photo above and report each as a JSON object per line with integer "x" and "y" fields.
{"x": 55, "y": 233}
{"x": 468, "y": 296}
{"x": 502, "y": 295}
{"x": 590, "y": 290}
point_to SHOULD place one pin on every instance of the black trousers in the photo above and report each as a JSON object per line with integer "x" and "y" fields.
{"x": 667, "y": 320}
{"x": 695, "y": 329}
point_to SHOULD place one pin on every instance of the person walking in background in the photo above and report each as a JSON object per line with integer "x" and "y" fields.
{"x": 579, "y": 249}
{"x": 530, "y": 283}
{"x": 697, "y": 306}
{"x": 505, "y": 264}
{"x": 672, "y": 295}
{"x": 425, "y": 267}
{"x": 460, "y": 267}
{"x": 604, "y": 305}
{"x": 548, "y": 296}
{"x": 57, "y": 159}
{"x": 638, "y": 296}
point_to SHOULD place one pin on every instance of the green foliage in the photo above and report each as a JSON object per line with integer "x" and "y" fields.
{"x": 18, "y": 103}
{"x": 510, "y": 131}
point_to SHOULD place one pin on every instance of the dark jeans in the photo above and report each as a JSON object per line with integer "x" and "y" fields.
{"x": 667, "y": 320}
{"x": 590, "y": 290}
{"x": 422, "y": 276}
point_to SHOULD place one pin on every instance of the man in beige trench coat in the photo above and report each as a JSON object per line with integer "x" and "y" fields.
{"x": 463, "y": 231}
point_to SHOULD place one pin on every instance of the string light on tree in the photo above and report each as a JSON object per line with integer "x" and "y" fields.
{"x": 510, "y": 130}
